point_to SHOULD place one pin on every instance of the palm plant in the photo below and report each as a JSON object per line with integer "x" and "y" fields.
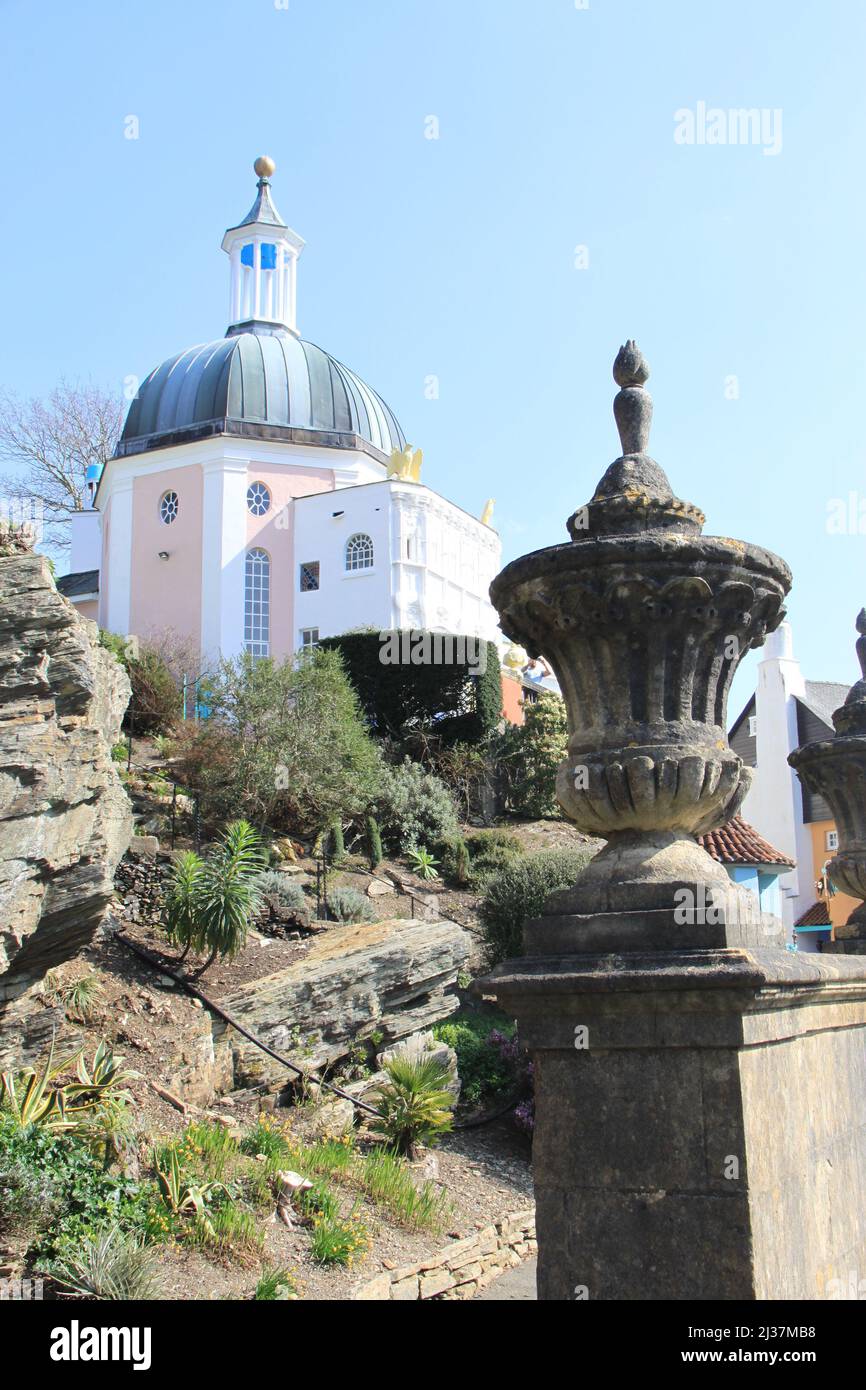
{"x": 226, "y": 896}
{"x": 181, "y": 921}
{"x": 414, "y": 1105}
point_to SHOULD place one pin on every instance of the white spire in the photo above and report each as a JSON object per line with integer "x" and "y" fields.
{"x": 264, "y": 259}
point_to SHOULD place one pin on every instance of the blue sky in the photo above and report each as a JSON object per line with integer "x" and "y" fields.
{"x": 455, "y": 257}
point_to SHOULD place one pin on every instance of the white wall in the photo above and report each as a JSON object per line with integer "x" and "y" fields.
{"x": 433, "y": 562}
{"x": 774, "y": 804}
{"x": 85, "y": 542}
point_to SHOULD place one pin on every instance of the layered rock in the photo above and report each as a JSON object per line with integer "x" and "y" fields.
{"x": 388, "y": 979}
{"x": 65, "y": 819}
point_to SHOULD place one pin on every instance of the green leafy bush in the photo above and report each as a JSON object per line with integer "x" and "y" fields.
{"x": 414, "y": 1105}
{"x": 529, "y": 755}
{"x": 455, "y": 860}
{"x": 156, "y": 703}
{"x": 447, "y": 698}
{"x": 414, "y": 807}
{"x": 484, "y": 1072}
{"x": 348, "y": 905}
{"x": 518, "y": 892}
{"x": 285, "y": 745}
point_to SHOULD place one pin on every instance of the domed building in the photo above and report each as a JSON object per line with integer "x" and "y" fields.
{"x": 263, "y": 495}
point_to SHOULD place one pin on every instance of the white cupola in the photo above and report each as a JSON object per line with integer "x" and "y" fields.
{"x": 264, "y": 262}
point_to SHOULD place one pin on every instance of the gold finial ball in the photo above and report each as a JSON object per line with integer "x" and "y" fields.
{"x": 264, "y": 166}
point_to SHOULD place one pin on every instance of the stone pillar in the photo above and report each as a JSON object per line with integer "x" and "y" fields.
{"x": 836, "y": 769}
{"x": 700, "y": 1131}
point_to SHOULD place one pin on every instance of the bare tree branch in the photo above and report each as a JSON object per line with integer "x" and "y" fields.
{"x": 50, "y": 445}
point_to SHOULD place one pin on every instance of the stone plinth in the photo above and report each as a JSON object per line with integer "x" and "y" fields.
{"x": 700, "y": 1125}
{"x": 700, "y": 1128}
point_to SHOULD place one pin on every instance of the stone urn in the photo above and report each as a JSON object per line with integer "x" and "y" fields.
{"x": 835, "y": 768}
{"x": 644, "y": 621}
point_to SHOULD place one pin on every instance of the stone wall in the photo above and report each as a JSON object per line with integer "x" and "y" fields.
{"x": 461, "y": 1270}
{"x": 65, "y": 819}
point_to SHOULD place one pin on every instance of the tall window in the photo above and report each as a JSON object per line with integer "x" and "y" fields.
{"x": 257, "y": 603}
{"x": 359, "y": 552}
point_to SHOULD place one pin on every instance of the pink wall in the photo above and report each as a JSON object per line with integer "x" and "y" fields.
{"x": 274, "y": 533}
{"x": 166, "y": 594}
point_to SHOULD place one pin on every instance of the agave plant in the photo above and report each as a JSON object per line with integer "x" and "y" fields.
{"x": 186, "y": 1198}
{"x": 38, "y": 1098}
{"x": 414, "y": 1105}
{"x": 31, "y": 1098}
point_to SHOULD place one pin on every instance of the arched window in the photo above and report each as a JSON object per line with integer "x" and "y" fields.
{"x": 258, "y": 499}
{"x": 359, "y": 552}
{"x": 168, "y": 507}
{"x": 257, "y": 603}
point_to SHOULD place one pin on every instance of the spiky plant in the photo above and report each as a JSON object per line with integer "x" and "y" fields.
{"x": 422, "y": 863}
{"x": 414, "y": 1105}
{"x": 180, "y": 919}
{"x": 226, "y": 896}
{"x": 111, "y": 1266}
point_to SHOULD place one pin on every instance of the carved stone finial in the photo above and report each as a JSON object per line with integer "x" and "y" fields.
{"x": 861, "y": 640}
{"x": 633, "y": 407}
{"x": 630, "y": 367}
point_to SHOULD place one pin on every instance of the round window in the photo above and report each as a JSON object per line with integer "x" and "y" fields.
{"x": 258, "y": 499}
{"x": 168, "y": 507}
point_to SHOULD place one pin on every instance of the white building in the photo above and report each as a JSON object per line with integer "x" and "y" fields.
{"x": 252, "y": 503}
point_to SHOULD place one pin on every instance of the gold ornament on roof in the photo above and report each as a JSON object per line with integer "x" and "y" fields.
{"x": 487, "y": 514}
{"x": 515, "y": 658}
{"x": 405, "y": 464}
{"x": 264, "y": 166}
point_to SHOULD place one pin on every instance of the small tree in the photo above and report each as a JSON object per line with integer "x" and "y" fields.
{"x": 211, "y": 901}
{"x": 50, "y": 445}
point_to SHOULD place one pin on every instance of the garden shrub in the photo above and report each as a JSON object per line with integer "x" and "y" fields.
{"x": 285, "y": 745}
{"x": 290, "y": 895}
{"x": 454, "y": 854}
{"x": 484, "y": 1069}
{"x": 519, "y": 891}
{"x": 529, "y": 755}
{"x": 348, "y": 905}
{"x": 414, "y": 807}
{"x": 374, "y": 842}
{"x": 399, "y": 696}
{"x": 156, "y": 702}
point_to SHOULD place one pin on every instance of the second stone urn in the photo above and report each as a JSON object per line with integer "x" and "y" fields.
{"x": 644, "y": 621}
{"x": 835, "y": 768}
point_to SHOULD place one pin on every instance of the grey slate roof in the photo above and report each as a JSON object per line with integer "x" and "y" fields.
{"x": 265, "y": 376}
{"x": 824, "y": 697}
{"x": 83, "y": 582}
{"x": 262, "y": 209}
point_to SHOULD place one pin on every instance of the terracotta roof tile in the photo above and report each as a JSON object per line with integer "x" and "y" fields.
{"x": 739, "y": 843}
{"x": 814, "y": 916}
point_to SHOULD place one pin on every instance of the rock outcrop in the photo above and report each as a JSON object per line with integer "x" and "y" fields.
{"x": 65, "y": 819}
{"x": 387, "y": 979}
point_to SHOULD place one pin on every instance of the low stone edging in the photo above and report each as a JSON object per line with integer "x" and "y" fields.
{"x": 463, "y": 1268}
